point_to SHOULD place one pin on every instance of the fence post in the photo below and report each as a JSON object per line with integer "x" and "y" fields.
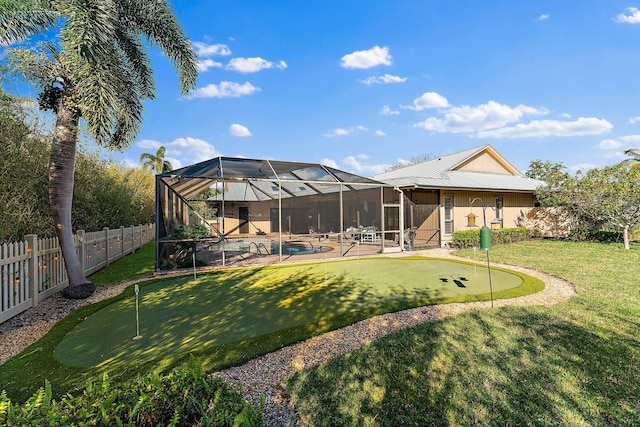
{"x": 106, "y": 245}
{"x": 122, "y": 254}
{"x": 34, "y": 269}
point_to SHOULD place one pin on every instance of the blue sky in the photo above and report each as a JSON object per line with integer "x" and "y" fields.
{"x": 361, "y": 85}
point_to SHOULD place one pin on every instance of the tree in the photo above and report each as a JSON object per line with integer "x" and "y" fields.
{"x": 413, "y": 160}
{"x": 599, "y": 199}
{"x": 633, "y": 160}
{"x": 99, "y": 71}
{"x": 546, "y": 171}
{"x": 157, "y": 163}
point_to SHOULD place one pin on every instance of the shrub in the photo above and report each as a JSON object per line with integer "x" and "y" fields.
{"x": 184, "y": 397}
{"x": 471, "y": 238}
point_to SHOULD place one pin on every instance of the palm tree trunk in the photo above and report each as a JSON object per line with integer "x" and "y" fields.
{"x": 61, "y": 178}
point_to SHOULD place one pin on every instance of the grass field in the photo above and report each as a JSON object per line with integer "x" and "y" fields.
{"x": 575, "y": 364}
{"x": 179, "y": 315}
{"x": 227, "y": 317}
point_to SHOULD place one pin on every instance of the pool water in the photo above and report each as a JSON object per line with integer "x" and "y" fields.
{"x": 272, "y": 247}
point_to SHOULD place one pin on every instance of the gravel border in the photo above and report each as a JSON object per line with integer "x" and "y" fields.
{"x": 262, "y": 376}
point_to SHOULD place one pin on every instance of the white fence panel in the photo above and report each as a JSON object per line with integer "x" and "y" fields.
{"x": 33, "y": 270}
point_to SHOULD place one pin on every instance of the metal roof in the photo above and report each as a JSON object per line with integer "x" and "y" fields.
{"x": 441, "y": 173}
{"x": 257, "y": 180}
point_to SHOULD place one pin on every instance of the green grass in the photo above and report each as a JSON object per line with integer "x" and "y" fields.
{"x": 134, "y": 266}
{"x": 577, "y": 363}
{"x": 228, "y": 317}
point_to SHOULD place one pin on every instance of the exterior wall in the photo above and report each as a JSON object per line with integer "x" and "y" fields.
{"x": 514, "y": 204}
{"x": 258, "y": 218}
{"x": 485, "y": 162}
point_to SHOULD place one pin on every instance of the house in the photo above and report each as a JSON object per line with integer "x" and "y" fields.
{"x": 461, "y": 191}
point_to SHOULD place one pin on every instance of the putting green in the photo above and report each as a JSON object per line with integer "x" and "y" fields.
{"x": 180, "y": 315}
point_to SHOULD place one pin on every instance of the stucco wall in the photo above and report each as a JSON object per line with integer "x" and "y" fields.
{"x": 514, "y": 204}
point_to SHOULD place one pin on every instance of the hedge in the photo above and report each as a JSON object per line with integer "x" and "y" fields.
{"x": 471, "y": 238}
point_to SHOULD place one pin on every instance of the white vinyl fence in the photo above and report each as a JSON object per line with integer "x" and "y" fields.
{"x": 33, "y": 270}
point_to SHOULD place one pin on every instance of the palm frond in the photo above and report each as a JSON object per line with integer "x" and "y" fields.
{"x": 20, "y": 20}
{"x": 157, "y": 22}
{"x": 90, "y": 27}
{"x": 135, "y": 54}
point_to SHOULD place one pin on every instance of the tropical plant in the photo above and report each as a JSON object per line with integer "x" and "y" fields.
{"x": 155, "y": 162}
{"x": 634, "y": 158}
{"x": 98, "y": 70}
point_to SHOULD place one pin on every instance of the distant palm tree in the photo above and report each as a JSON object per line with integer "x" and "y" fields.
{"x": 634, "y": 158}
{"x": 155, "y": 163}
{"x": 96, "y": 68}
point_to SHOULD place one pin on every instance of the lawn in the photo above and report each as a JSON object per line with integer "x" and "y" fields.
{"x": 179, "y": 315}
{"x": 227, "y": 317}
{"x": 574, "y": 364}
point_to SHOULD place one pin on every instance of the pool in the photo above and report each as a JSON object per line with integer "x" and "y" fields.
{"x": 272, "y": 247}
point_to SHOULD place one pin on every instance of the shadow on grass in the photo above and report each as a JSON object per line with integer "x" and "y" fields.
{"x": 506, "y": 367}
{"x": 258, "y": 315}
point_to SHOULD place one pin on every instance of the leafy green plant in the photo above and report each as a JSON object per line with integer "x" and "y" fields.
{"x": 186, "y": 249}
{"x": 184, "y": 397}
{"x": 471, "y": 238}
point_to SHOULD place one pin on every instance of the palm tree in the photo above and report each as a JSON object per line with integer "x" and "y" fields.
{"x": 99, "y": 71}
{"x": 157, "y": 163}
{"x": 634, "y": 158}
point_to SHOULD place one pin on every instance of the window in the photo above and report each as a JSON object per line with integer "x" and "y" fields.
{"x": 499, "y": 206}
{"x": 448, "y": 214}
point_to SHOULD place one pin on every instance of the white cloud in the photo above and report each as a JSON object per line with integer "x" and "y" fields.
{"x": 207, "y": 50}
{"x": 609, "y": 144}
{"x": 466, "y": 119}
{"x": 224, "y": 90}
{"x": 149, "y": 143}
{"x": 634, "y": 119}
{"x": 565, "y": 115}
{"x": 253, "y": 65}
{"x": 583, "y": 167}
{"x": 380, "y": 133}
{"x": 544, "y": 128}
{"x": 208, "y": 63}
{"x": 386, "y": 111}
{"x": 239, "y": 130}
{"x": 354, "y": 165}
{"x": 384, "y": 79}
{"x": 543, "y": 17}
{"x": 631, "y": 139}
{"x": 428, "y": 100}
{"x": 367, "y": 58}
{"x": 631, "y": 15}
{"x": 615, "y": 147}
{"x": 345, "y": 132}
{"x": 329, "y": 162}
{"x": 183, "y": 151}
{"x": 339, "y": 132}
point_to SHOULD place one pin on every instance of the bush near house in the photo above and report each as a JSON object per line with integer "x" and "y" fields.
{"x": 471, "y": 238}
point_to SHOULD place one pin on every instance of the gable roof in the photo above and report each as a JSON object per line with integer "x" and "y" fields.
{"x": 477, "y": 168}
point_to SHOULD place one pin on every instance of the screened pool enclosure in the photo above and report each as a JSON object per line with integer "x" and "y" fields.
{"x": 232, "y": 210}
